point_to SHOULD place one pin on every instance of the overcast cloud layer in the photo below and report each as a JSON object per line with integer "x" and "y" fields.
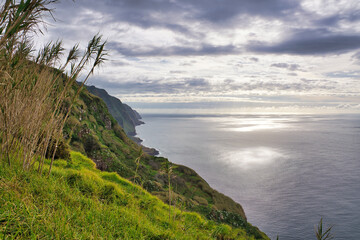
{"x": 272, "y": 53}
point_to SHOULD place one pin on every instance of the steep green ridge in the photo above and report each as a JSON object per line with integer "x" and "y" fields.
{"x": 123, "y": 114}
{"x": 92, "y": 130}
{"x": 78, "y": 201}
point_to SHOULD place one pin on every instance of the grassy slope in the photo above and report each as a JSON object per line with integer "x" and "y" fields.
{"x": 94, "y": 132}
{"x": 80, "y": 202}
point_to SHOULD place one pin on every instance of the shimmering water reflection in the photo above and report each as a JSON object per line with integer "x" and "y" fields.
{"x": 255, "y": 157}
{"x": 253, "y": 124}
{"x": 287, "y": 171}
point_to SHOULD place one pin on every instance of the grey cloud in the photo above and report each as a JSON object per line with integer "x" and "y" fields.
{"x": 349, "y": 106}
{"x": 119, "y": 63}
{"x": 174, "y": 14}
{"x": 279, "y": 86}
{"x": 158, "y": 86}
{"x": 177, "y": 72}
{"x": 215, "y": 11}
{"x": 328, "y": 21}
{"x": 202, "y": 50}
{"x": 209, "y": 10}
{"x": 181, "y": 16}
{"x": 229, "y": 81}
{"x": 356, "y": 57}
{"x": 334, "y": 20}
{"x": 254, "y": 59}
{"x": 343, "y": 74}
{"x": 198, "y": 85}
{"x": 291, "y": 67}
{"x": 318, "y": 82}
{"x": 310, "y": 42}
{"x": 196, "y": 82}
{"x": 185, "y": 64}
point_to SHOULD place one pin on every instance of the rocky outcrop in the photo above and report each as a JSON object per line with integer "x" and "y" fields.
{"x": 123, "y": 114}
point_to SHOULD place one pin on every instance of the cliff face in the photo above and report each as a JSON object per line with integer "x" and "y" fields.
{"x": 123, "y": 114}
{"x": 92, "y": 130}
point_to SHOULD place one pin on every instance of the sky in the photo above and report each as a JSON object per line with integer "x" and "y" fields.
{"x": 233, "y": 56}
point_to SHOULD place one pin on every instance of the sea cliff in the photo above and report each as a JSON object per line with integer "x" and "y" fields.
{"x": 93, "y": 131}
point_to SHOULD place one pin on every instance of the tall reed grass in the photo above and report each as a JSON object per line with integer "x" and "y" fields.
{"x": 35, "y": 88}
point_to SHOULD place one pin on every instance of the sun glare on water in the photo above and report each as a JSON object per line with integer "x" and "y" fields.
{"x": 255, "y": 124}
{"x": 252, "y": 157}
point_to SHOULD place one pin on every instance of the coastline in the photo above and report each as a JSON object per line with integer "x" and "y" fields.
{"x": 149, "y": 150}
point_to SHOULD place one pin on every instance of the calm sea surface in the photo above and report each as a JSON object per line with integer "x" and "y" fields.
{"x": 287, "y": 171}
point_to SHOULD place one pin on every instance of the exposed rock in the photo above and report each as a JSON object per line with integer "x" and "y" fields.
{"x": 83, "y": 132}
{"x": 107, "y": 122}
{"x": 126, "y": 117}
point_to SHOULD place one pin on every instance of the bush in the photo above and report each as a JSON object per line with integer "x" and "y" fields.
{"x": 91, "y": 143}
{"x": 62, "y": 150}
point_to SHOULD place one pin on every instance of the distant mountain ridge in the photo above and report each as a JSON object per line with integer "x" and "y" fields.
{"x": 127, "y": 117}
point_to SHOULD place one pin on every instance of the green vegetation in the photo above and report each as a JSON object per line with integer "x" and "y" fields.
{"x": 44, "y": 111}
{"x": 78, "y": 201}
{"x": 323, "y": 234}
{"x": 34, "y": 93}
{"x": 123, "y": 114}
{"x": 92, "y": 131}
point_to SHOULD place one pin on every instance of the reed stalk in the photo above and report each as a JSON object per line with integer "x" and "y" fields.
{"x": 32, "y": 107}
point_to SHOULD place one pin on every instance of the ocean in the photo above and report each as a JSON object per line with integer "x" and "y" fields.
{"x": 287, "y": 171}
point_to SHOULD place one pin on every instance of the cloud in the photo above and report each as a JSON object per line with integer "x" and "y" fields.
{"x": 213, "y": 11}
{"x": 254, "y": 59}
{"x": 158, "y": 86}
{"x": 348, "y": 106}
{"x": 201, "y": 47}
{"x": 177, "y": 72}
{"x": 309, "y": 42}
{"x": 290, "y": 67}
{"x": 119, "y": 63}
{"x": 268, "y": 86}
{"x": 343, "y": 74}
{"x": 152, "y": 51}
{"x": 349, "y": 15}
{"x": 187, "y": 64}
{"x": 195, "y": 19}
{"x": 200, "y": 85}
{"x": 142, "y": 11}
{"x": 185, "y": 16}
{"x": 356, "y": 57}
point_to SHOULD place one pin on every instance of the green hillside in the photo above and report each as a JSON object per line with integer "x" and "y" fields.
{"x": 78, "y": 201}
{"x": 92, "y": 130}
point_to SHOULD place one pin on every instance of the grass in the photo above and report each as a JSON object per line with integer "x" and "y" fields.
{"x": 77, "y": 201}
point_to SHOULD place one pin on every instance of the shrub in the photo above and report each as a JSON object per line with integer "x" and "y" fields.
{"x": 91, "y": 143}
